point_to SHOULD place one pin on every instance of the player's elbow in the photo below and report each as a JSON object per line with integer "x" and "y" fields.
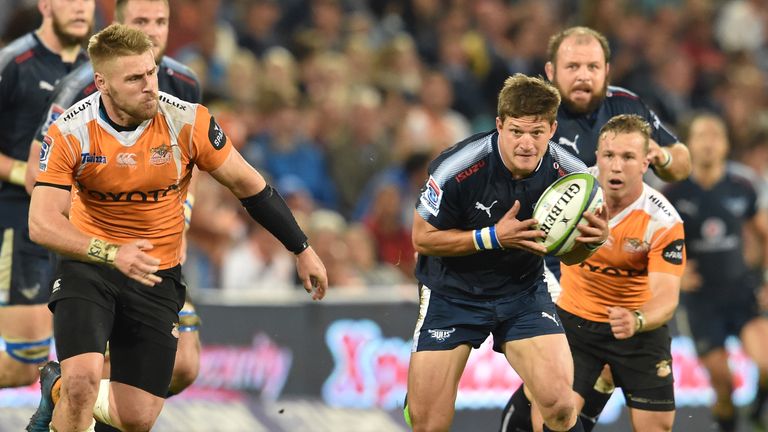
{"x": 38, "y": 224}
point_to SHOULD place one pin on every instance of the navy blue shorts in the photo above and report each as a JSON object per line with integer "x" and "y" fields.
{"x": 445, "y": 322}
{"x": 712, "y": 319}
{"x": 25, "y": 269}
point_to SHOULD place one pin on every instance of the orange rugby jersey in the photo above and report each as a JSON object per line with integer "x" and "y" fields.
{"x": 645, "y": 237}
{"x": 132, "y": 185}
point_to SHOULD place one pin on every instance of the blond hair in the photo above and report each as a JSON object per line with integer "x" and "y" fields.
{"x": 626, "y": 124}
{"x": 117, "y": 40}
{"x": 524, "y": 96}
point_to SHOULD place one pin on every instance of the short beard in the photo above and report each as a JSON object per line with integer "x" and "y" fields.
{"x": 67, "y": 39}
{"x": 593, "y": 104}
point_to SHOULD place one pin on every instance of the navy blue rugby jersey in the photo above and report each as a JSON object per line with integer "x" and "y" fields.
{"x": 28, "y": 73}
{"x": 173, "y": 77}
{"x": 578, "y": 133}
{"x": 713, "y": 221}
{"x": 469, "y": 187}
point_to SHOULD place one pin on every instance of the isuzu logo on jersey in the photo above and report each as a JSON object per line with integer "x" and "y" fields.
{"x": 431, "y": 196}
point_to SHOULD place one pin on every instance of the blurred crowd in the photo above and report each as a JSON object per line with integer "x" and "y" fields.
{"x": 342, "y": 104}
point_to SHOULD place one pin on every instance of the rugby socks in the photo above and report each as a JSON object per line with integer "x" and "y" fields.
{"x": 101, "y": 407}
{"x": 101, "y": 427}
{"x": 56, "y": 392}
{"x": 726, "y": 424}
{"x": 594, "y": 402}
{"x": 516, "y": 416}
{"x": 756, "y": 411}
{"x": 578, "y": 427}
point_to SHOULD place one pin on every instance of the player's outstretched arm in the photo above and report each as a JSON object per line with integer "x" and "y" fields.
{"x": 267, "y": 207}
{"x": 672, "y": 163}
{"x": 50, "y": 227}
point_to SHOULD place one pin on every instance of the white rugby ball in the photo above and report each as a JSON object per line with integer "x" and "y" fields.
{"x": 561, "y": 207}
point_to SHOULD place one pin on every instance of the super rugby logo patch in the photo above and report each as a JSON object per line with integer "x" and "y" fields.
{"x": 673, "y": 253}
{"x": 45, "y": 152}
{"x": 431, "y": 196}
{"x": 216, "y": 135}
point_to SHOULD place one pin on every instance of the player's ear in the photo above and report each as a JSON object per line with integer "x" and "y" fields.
{"x": 553, "y": 129}
{"x": 44, "y": 6}
{"x": 101, "y": 82}
{"x": 549, "y": 69}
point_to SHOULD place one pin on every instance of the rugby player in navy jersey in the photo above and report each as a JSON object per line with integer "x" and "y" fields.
{"x": 151, "y": 17}
{"x": 579, "y": 64}
{"x": 30, "y": 66}
{"x": 720, "y": 294}
{"x": 480, "y": 270}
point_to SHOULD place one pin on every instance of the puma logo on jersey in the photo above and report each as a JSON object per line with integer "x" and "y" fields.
{"x": 56, "y": 285}
{"x": 441, "y": 334}
{"x": 480, "y": 206}
{"x": 45, "y": 85}
{"x": 550, "y": 316}
{"x": 126, "y": 159}
{"x": 565, "y": 142}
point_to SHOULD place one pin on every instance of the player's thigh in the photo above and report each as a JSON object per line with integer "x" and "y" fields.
{"x": 716, "y": 363}
{"x": 25, "y": 269}
{"x": 753, "y": 337}
{"x": 651, "y": 421}
{"x": 29, "y": 322}
{"x": 134, "y": 405}
{"x": 433, "y": 379}
{"x": 545, "y": 365}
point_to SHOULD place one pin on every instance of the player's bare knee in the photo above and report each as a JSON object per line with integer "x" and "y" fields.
{"x": 139, "y": 423}
{"x": 559, "y": 415}
{"x": 431, "y": 424}
{"x": 80, "y": 389}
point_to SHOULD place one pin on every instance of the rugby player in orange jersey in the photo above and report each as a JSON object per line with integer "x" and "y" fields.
{"x": 129, "y": 150}
{"x": 615, "y": 305}
{"x": 151, "y": 17}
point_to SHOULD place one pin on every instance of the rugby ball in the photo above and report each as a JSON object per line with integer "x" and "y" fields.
{"x": 560, "y": 209}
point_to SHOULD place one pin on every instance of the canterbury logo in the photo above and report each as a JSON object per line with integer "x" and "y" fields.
{"x": 480, "y": 206}
{"x": 126, "y": 159}
{"x": 568, "y": 143}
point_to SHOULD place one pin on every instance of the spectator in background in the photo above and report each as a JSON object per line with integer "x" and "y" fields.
{"x": 393, "y": 237}
{"x": 364, "y": 259}
{"x": 283, "y": 148}
{"x": 257, "y": 262}
{"x": 258, "y": 32}
{"x": 360, "y": 150}
{"x": 327, "y": 229}
{"x": 431, "y": 125}
{"x": 719, "y": 293}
